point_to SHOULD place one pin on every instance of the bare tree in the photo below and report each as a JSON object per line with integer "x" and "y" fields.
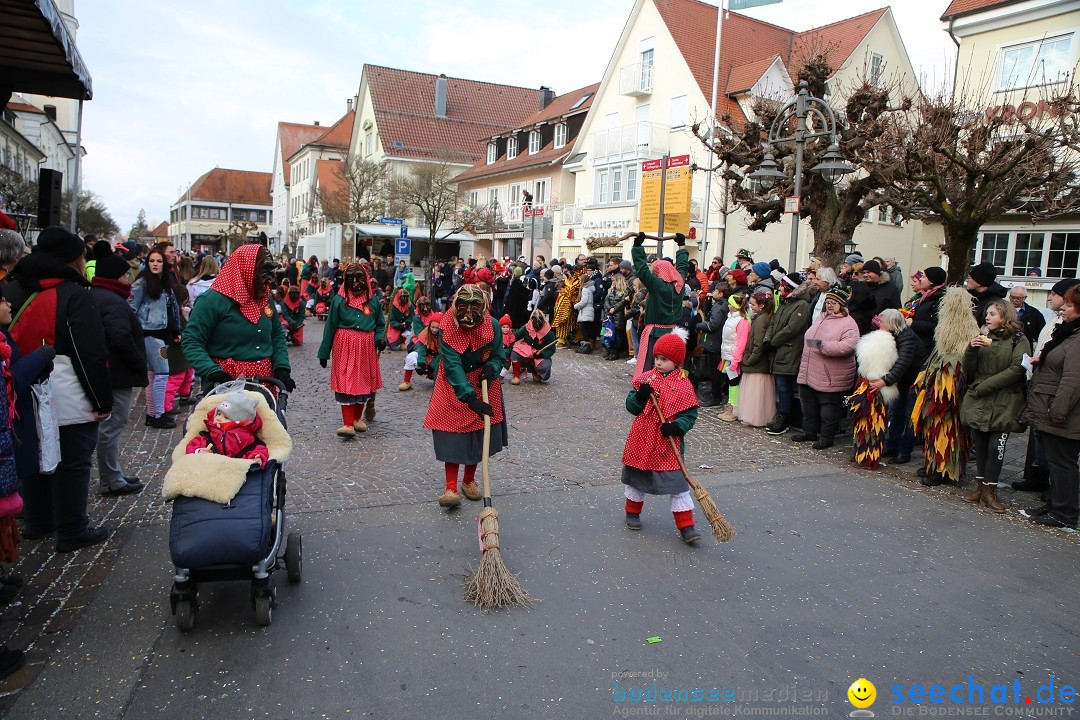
{"x": 357, "y": 194}
{"x": 430, "y": 193}
{"x": 19, "y": 198}
{"x": 965, "y": 164}
{"x": 237, "y": 234}
{"x": 834, "y": 211}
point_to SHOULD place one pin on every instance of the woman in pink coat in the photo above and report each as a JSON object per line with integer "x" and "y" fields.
{"x": 827, "y": 370}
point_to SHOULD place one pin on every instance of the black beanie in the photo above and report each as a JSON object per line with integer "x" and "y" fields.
{"x": 1062, "y": 286}
{"x": 108, "y": 264}
{"x": 935, "y": 275}
{"x": 984, "y": 273}
{"x": 60, "y": 244}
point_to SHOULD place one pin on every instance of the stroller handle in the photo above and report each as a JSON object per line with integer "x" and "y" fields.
{"x": 278, "y": 385}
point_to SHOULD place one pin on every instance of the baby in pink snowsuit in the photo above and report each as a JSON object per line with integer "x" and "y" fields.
{"x": 231, "y": 430}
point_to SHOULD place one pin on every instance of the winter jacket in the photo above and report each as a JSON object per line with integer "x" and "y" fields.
{"x": 123, "y": 334}
{"x": 924, "y": 321}
{"x": 198, "y": 287}
{"x": 736, "y": 336}
{"x": 158, "y": 317}
{"x": 982, "y": 300}
{"x": 547, "y": 298}
{"x": 25, "y": 370}
{"x": 68, "y": 315}
{"x": 758, "y": 358}
{"x": 713, "y": 327}
{"x": 664, "y": 304}
{"x": 584, "y": 306}
{"x": 1053, "y": 404}
{"x": 867, "y": 301}
{"x": 787, "y": 330}
{"x": 1033, "y": 322}
{"x": 828, "y": 360}
{"x": 896, "y": 277}
{"x": 995, "y": 378}
{"x": 617, "y": 302}
{"x": 217, "y": 329}
{"x": 240, "y": 441}
{"x": 910, "y": 358}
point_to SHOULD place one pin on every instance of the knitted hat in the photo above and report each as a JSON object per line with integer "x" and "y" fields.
{"x": 761, "y": 269}
{"x": 935, "y": 275}
{"x": 60, "y": 244}
{"x": 744, "y": 253}
{"x": 853, "y": 258}
{"x": 1062, "y": 286}
{"x": 737, "y": 277}
{"x": 626, "y": 265}
{"x": 984, "y": 273}
{"x": 672, "y": 347}
{"x": 109, "y": 264}
{"x": 793, "y": 280}
{"x": 839, "y": 294}
{"x": 238, "y": 407}
{"x": 871, "y": 266}
{"x": 505, "y": 320}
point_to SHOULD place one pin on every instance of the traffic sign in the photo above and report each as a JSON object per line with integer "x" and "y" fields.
{"x": 391, "y": 221}
{"x": 405, "y": 231}
{"x": 403, "y": 246}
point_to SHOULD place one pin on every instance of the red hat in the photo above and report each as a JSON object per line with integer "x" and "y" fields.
{"x": 738, "y": 276}
{"x": 434, "y": 317}
{"x": 672, "y": 347}
{"x": 505, "y": 320}
{"x": 6, "y": 223}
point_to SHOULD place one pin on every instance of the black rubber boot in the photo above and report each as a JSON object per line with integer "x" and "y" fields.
{"x": 690, "y": 535}
{"x": 633, "y": 520}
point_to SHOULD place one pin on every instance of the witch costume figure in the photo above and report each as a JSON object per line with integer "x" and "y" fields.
{"x": 533, "y": 350}
{"x": 471, "y": 350}
{"x": 354, "y": 336}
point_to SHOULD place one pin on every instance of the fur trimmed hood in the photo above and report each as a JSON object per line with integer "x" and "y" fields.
{"x": 876, "y": 354}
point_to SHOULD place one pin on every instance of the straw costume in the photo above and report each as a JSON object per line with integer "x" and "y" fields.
{"x": 533, "y": 350}
{"x": 650, "y": 466}
{"x": 565, "y": 319}
{"x": 875, "y": 354}
{"x": 471, "y": 349}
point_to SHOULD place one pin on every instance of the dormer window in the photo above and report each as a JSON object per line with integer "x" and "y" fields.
{"x": 560, "y": 135}
{"x": 492, "y": 153}
{"x": 511, "y": 148}
{"x": 534, "y": 142}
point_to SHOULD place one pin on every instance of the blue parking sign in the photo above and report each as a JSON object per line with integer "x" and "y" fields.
{"x": 403, "y": 246}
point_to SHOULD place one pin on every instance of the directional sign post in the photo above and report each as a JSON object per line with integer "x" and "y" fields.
{"x": 403, "y": 246}
{"x": 391, "y": 221}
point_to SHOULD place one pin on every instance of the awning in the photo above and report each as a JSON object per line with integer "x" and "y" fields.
{"x": 37, "y": 53}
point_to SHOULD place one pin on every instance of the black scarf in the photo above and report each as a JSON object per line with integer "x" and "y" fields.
{"x": 1061, "y": 333}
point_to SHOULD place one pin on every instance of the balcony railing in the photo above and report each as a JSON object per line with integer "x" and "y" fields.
{"x": 639, "y": 141}
{"x": 571, "y": 214}
{"x": 636, "y": 79}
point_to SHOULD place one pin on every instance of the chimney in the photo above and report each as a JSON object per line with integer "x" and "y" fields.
{"x": 316, "y": 123}
{"x": 348, "y": 105}
{"x": 440, "y": 96}
{"x": 546, "y": 96}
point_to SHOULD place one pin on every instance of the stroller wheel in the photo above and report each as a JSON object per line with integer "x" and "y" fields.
{"x": 185, "y": 615}
{"x": 294, "y": 557}
{"x": 264, "y": 610}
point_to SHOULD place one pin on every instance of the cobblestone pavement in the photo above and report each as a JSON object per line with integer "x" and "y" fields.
{"x": 567, "y": 433}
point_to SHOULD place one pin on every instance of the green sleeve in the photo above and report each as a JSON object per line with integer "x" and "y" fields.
{"x": 548, "y": 343}
{"x": 1014, "y": 373}
{"x": 279, "y": 356}
{"x": 644, "y": 273}
{"x": 417, "y": 324}
{"x": 397, "y": 319}
{"x": 204, "y": 318}
{"x": 455, "y": 374}
{"x": 380, "y": 320}
{"x": 333, "y": 319}
{"x": 633, "y": 405}
{"x": 682, "y": 262}
{"x": 499, "y": 354}
{"x": 421, "y": 352}
{"x": 686, "y": 419}
{"x": 520, "y": 333}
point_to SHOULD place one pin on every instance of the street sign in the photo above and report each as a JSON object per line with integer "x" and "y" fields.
{"x": 673, "y": 181}
{"x": 538, "y": 212}
{"x": 405, "y": 231}
{"x": 793, "y": 204}
{"x": 651, "y": 178}
{"x": 391, "y": 221}
{"x": 744, "y": 4}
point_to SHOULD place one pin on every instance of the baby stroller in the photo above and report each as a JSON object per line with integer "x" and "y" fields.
{"x": 228, "y": 514}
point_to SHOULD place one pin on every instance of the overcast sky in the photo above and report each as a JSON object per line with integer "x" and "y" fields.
{"x": 180, "y": 88}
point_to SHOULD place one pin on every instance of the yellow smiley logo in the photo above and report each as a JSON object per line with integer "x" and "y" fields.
{"x": 862, "y": 693}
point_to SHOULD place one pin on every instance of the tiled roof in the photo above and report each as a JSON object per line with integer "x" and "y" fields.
{"x": 548, "y": 154}
{"x": 964, "y": 7}
{"x": 161, "y": 231}
{"x": 339, "y": 134}
{"x": 404, "y": 105}
{"x": 329, "y": 175}
{"x": 744, "y": 77}
{"x": 291, "y": 136}
{"x": 235, "y": 186}
{"x": 747, "y": 41}
{"x": 24, "y": 107}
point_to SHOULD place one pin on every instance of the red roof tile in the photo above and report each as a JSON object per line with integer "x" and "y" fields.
{"x": 328, "y": 174}
{"x": 161, "y": 231}
{"x": 965, "y": 7}
{"x": 291, "y": 136}
{"x": 235, "y": 186}
{"x": 404, "y": 105}
{"x": 747, "y": 41}
{"x": 744, "y": 77}
{"x": 548, "y": 154}
{"x": 24, "y": 107}
{"x": 339, "y": 134}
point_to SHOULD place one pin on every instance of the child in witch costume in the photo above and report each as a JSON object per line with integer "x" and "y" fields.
{"x": 471, "y": 349}
{"x": 420, "y": 319}
{"x": 426, "y": 342}
{"x": 401, "y": 317}
{"x": 533, "y": 350}
{"x": 354, "y": 335}
{"x": 323, "y": 296}
{"x": 649, "y": 464}
{"x": 292, "y": 315}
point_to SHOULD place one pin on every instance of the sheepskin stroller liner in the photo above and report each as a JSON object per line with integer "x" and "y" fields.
{"x": 228, "y": 518}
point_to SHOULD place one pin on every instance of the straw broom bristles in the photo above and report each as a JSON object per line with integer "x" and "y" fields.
{"x": 492, "y": 585}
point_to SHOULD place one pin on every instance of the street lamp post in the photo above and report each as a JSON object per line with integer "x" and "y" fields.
{"x": 832, "y": 167}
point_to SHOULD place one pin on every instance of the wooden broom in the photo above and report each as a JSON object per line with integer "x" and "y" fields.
{"x": 493, "y": 585}
{"x": 722, "y": 530}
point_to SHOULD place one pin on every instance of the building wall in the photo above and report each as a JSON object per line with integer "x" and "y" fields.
{"x": 280, "y": 199}
{"x": 182, "y": 225}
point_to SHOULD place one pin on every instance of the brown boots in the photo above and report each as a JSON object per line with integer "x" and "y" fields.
{"x": 985, "y": 494}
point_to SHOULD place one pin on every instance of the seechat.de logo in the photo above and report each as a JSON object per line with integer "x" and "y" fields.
{"x": 862, "y": 695}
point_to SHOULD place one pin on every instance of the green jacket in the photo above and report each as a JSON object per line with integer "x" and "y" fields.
{"x": 664, "y": 305}
{"x": 424, "y": 357}
{"x": 455, "y": 365}
{"x": 400, "y": 320}
{"x": 685, "y": 420}
{"x": 343, "y": 317}
{"x": 417, "y": 324}
{"x": 295, "y": 318}
{"x": 786, "y": 332}
{"x": 216, "y": 329}
{"x": 756, "y": 358}
{"x": 995, "y": 394}
{"x": 547, "y": 342}
{"x": 408, "y": 281}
